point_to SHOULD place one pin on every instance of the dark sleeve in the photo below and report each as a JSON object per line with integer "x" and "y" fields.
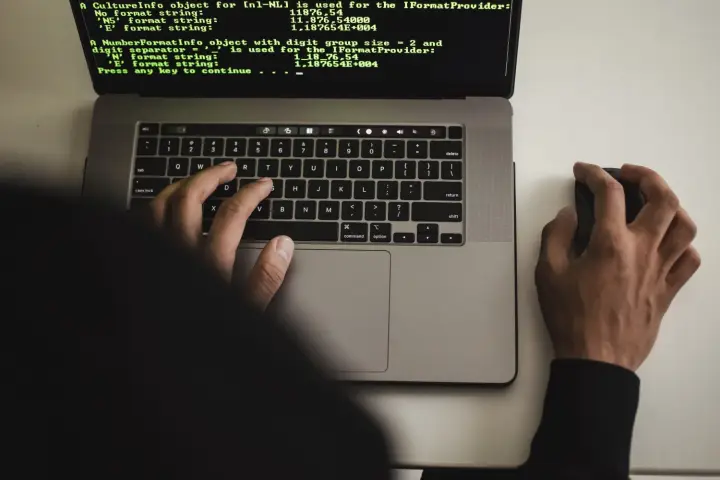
{"x": 587, "y": 423}
{"x": 125, "y": 356}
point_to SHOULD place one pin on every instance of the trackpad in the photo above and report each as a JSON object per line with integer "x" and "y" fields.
{"x": 340, "y": 301}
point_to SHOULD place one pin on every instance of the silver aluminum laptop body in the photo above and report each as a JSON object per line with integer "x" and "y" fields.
{"x": 385, "y": 313}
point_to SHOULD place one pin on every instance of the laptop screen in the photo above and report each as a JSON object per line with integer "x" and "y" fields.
{"x": 326, "y": 48}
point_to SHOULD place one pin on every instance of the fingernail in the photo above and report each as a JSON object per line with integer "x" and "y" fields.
{"x": 264, "y": 180}
{"x": 285, "y": 247}
{"x": 225, "y": 164}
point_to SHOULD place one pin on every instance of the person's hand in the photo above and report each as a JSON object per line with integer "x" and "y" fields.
{"x": 607, "y": 304}
{"x": 179, "y": 207}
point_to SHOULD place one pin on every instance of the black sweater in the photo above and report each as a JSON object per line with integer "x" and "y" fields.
{"x": 125, "y": 356}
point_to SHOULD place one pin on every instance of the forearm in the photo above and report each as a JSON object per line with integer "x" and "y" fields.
{"x": 586, "y": 428}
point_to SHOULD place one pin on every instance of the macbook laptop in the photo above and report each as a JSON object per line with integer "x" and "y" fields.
{"x": 386, "y": 128}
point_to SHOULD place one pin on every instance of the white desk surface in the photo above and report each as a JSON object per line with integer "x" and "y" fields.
{"x": 606, "y": 82}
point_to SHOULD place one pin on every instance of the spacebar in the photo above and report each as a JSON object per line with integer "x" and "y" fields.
{"x": 298, "y": 231}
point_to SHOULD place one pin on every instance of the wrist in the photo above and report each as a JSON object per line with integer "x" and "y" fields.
{"x": 597, "y": 353}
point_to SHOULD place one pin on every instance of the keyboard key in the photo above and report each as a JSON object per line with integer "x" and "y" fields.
{"x": 287, "y": 130}
{"x": 277, "y": 189}
{"x": 371, "y": 149}
{"x": 295, "y": 188}
{"x": 352, "y": 210}
{"x": 410, "y": 190}
{"x": 387, "y": 190}
{"x": 455, "y": 133}
{"x": 451, "y": 170}
{"x": 394, "y": 149}
{"x": 226, "y": 190}
{"x": 266, "y": 130}
{"x": 427, "y": 238}
{"x": 364, "y": 190}
{"x": 267, "y": 167}
{"x": 149, "y": 129}
{"x": 169, "y": 146}
{"x": 337, "y": 168}
{"x": 425, "y": 228}
{"x": 178, "y": 167}
{"x": 309, "y": 131}
{"x": 354, "y": 232}
{"x": 446, "y": 149}
{"x": 382, "y": 169}
{"x": 436, "y": 212}
{"x": 298, "y": 231}
{"x": 147, "y": 146}
{"x": 198, "y": 165}
{"x": 326, "y": 148}
{"x": 245, "y": 167}
{"x": 417, "y": 149}
{"x": 218, "y": 161}
{"x": 191, "y": 146}
{"x": 329, "y": 211}
{"x": 235, "y": 147}
{"x": 258, "y": 147}
{"x": 375, "y": 211}
{"x": 303, "y": 148}
{"x": 149, "y": 187}
{"x": 150, "y": 166}
{"x": 318, "y": 189}
{"x": 429, "y": 170}
{"x": 206, "y": 224}
{"x": 305, "y": 209}
{"x": 451, "y": 238}
{"x": 380, "y": 232}
{"x": 341, "y": 189}
{"x": 280, "y": 147}
{"x": 211, "y": 207}
{"x": 313, "y": 168}
{"x": 262, "y": 211}
{"x": 399, "y": 212}
{"x": 359, "y": 169}
{"x": 349, "y": 148}
{"x": 291, "y": 167}
{"x": 282, "y": 209}
{"x": 405, "y": 169}
{"x": 442, "y": 191}
{"x": 404, "y": 238}
{"x": 213, "y": 146}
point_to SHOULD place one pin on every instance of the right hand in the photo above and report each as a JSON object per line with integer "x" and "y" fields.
{"x": 607, "y": 304}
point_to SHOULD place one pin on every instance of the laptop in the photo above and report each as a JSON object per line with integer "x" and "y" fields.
{"x": 387, "y": 131}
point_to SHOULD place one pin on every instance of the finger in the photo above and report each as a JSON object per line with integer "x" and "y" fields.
{"x": 229, "y": 224}
{"x": 186, "y": 203}
{"x": 557, "y": 239}
{"x": 268, "y": 274}
{"x": 661, "y": 203}
{"x": 609, "y": 194}
{"x": 159, "y": 204}
{"x": 683, "y": 270}
{"x": 680, "y": 234}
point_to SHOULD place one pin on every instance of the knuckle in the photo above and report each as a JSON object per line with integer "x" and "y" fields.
{"x": 608, "y": 241}
{"x": 612, "y": 186}
{"x": 668, "y": 198}
{"x": 694, "y": 259}
{"x": 689, "y": 226}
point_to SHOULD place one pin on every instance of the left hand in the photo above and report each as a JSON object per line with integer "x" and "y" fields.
{"x": 179, "y": 207}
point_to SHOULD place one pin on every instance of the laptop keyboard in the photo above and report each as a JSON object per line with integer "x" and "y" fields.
{"x": 331, "y": 184}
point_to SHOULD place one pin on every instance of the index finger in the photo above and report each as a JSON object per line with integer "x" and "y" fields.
{"x": 609, "y": 194}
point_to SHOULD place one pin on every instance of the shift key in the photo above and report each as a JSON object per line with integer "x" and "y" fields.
{"x": 442, "y": 191}
{"x": 436, "y": 212}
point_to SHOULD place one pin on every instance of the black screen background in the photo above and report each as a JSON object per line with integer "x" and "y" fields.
{"x": 478, "y": 56}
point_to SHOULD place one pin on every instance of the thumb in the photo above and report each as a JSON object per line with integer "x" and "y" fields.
{"x": 557, "y": 238}
{"x": 268, "y": 274}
